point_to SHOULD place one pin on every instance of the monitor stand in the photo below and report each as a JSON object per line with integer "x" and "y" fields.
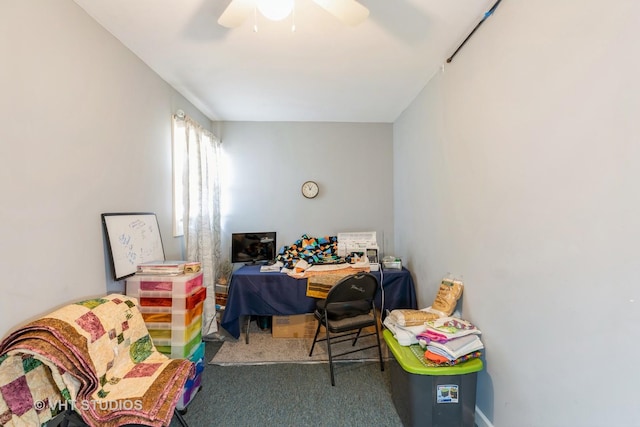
{"x": 259, "y": 262}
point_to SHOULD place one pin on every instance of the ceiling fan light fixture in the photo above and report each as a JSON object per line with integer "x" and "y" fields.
{"x": 350, "y": 12}
{"x": 275, "y": 10}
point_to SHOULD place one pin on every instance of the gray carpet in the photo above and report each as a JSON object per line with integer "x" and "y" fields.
{"x": 262, "y": 349}
{"x": 291, "y": 395}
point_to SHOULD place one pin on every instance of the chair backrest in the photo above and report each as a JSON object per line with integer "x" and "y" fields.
{"x": 351, "y": 296}
{"x": 357, "y": 287}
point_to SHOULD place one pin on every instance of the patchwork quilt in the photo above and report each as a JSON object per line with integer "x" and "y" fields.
{"x": 314, "y": 250}
{"x": 93, "y": 356}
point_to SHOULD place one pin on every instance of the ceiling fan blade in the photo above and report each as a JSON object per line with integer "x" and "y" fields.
{"x": 236, "y": 13}
{"x": 348, "y": 11}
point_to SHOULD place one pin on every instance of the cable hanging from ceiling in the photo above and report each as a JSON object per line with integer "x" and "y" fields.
{"x": 484, "y": 18}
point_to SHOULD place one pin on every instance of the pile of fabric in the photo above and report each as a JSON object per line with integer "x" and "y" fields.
{"x": 436, "y": 333}
{"x": 313, "y": 250}
{"x": 450, "y": 341}
{"x": 406, "y": 324}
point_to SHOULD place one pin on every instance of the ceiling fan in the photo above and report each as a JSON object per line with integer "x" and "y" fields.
{"x": 348, "y": 11}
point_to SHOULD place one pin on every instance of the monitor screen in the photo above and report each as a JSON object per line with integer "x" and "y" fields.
{"x": 253, "y": 247}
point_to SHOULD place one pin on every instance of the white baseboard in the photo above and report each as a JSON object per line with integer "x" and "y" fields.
{"x": 481, "y": 419}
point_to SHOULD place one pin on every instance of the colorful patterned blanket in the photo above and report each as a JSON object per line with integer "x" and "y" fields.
{"x": 94, "y": 356}
{"x": 313, "y": 250}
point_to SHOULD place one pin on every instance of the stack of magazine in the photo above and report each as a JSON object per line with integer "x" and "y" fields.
{"x": 168, "y": 268}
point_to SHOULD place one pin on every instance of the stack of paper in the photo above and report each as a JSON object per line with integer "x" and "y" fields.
{"x": 161, "y": 267}
{"x": 273, "y": 268}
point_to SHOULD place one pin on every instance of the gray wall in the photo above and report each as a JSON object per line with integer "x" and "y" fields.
{"x": 518, "y": 168}
{"x": 267, "y": 162}
{"x": 86, "y": 129}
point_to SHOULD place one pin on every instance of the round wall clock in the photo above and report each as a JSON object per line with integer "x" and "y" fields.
{"x": 310, "y": 189}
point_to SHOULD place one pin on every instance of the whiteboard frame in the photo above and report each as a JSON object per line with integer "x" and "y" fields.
{"x": 132, "y": 238}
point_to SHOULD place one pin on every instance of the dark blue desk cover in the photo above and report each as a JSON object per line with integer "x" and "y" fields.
{"x": 277, "y": 294}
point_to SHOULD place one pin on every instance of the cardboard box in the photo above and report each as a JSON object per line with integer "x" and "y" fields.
{"x": 301, "y": 326}
{"x": 294, "y": 326}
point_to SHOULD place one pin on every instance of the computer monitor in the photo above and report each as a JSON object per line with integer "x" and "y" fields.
{"x": 252, "y": 248}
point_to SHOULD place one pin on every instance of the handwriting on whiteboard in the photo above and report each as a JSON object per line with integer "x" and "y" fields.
{"x": 134, "y": 239}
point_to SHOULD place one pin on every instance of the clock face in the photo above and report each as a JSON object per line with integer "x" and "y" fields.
{"x": 310, "y": 189}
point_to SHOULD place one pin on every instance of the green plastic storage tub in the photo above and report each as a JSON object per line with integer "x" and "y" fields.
{"x": 431, "y": 396}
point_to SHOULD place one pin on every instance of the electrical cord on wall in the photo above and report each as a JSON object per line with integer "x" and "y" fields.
{"x": 380, "y": 269}
{"x": 484, "y": 18}
{"x": 381, "y": 292}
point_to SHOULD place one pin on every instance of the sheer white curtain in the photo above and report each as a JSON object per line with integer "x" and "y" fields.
{"x": 198, "y": 151}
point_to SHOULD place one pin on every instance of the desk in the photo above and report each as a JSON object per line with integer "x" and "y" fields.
{"x": 277, "y": 294}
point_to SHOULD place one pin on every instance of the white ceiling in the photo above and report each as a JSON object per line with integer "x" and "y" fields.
{"x": 324, "y": 71}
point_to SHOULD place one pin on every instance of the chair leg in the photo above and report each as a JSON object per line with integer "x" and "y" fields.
{"x": 315, "y": 339}
{"x": 180, "y": 418}
{"x": 355, "y": 339}
{"x": 71, "y": 418}
{"x": 379, "y": 348}
{"x": 333, "y": 381}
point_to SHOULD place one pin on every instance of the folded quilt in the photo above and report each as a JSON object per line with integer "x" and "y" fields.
{"x": 438, "y": 360}
{"x": 453, "y": 349}
{"x": 447, "y": 328}
{"x": 94, "y": 356}
{"x": 432, "y": 360}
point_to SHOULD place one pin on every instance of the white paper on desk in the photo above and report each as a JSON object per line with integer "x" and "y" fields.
{"x": 274, "y": 268}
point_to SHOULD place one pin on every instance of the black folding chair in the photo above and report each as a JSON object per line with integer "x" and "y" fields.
{"x": 347, "y": 310}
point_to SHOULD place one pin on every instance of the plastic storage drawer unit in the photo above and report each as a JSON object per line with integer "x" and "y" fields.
{"x": 166, "y": 299}
{"x": 165, "y": 315}
{"x": 178, "y": 351}
{"x": 198, "y": 353}
{"x": 192, "y": 386}
{"x": 189, "y": 392}
{"x": 432, "y": 396}
{"x": 177, "y": 334}
{"x": 180, "y": 285}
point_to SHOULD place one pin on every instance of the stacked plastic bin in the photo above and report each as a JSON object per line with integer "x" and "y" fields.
{"x": 193, "y": 384}
{"x": 172, "y": 307}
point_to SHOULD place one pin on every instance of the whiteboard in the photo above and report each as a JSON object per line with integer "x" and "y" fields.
{"x": 132, "y": 238}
